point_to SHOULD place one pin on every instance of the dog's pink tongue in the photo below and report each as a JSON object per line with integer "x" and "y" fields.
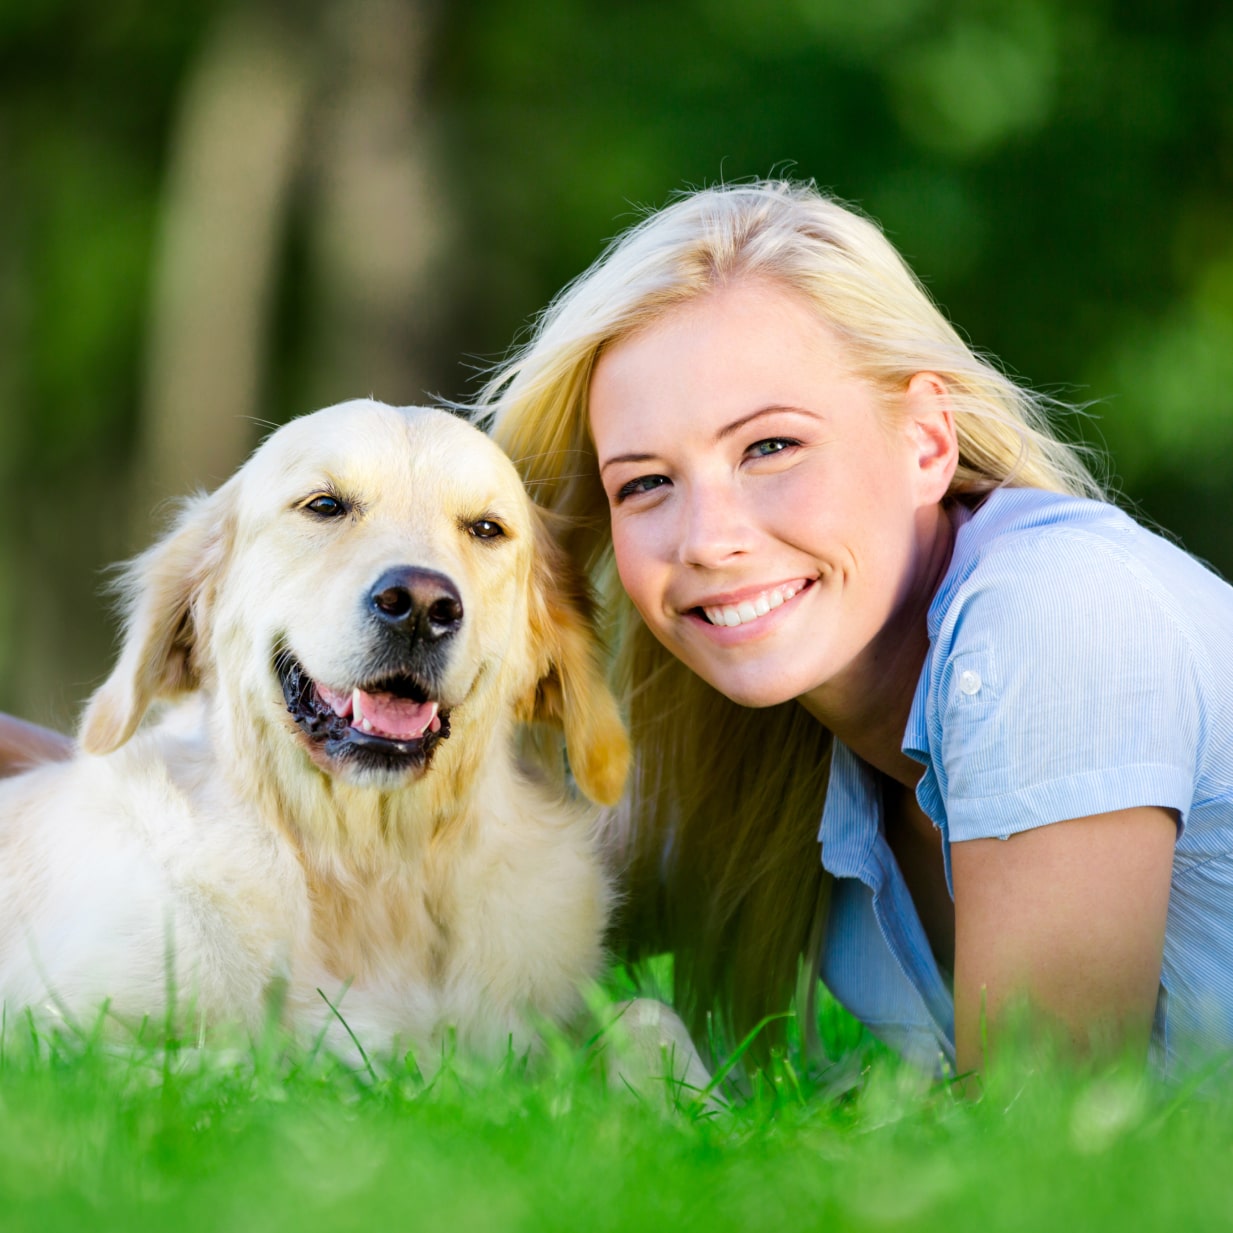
{"x": 387, "y": 715}
{"x": 392, "y": 716}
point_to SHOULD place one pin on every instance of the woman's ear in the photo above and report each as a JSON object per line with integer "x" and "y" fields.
{"x": 930, "y": 420}
{"x": 572, "y": 690}
{"x": 166, "y": 595}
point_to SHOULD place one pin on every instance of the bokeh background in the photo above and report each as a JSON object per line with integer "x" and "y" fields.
{"x": 213, "y": 217}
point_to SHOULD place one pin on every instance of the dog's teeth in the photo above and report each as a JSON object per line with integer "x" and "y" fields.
{"x": 357, "y": 714}
{"x": 365, "y": 725}
{"x": 435, "y": 724}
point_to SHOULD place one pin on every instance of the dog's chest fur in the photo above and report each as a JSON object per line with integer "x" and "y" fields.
{"x": 442, "y": 931}
{"x": 452, "y": 930}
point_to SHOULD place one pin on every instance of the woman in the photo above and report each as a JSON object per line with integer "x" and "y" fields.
{"x": 854, "y": 581}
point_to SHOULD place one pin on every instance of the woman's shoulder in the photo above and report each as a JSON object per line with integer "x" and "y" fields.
{"x": 1026, "y": 552}
{"x": 1071, "y": 669}
{"x": 1032, "y": 524}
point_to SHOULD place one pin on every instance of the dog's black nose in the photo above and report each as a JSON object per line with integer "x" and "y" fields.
{"x": 420, "y": 602}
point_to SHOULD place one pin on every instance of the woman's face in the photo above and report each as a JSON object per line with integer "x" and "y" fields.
{"x": 771, "y": 514}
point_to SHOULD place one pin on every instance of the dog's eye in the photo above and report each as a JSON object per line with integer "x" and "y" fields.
{"x": 325, "y": 506}
{"x": 485, "y": 528}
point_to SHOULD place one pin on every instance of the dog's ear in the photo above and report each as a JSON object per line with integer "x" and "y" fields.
{"x": 165, "y": 595}
{"x": 572, "y": 691}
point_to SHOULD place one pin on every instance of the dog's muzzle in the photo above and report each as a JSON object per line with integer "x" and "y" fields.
{"x": 393, "y": 721}
{"x": 389, "y": 725}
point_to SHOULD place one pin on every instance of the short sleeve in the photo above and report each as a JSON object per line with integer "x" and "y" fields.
{"x": 1060, "y": 686}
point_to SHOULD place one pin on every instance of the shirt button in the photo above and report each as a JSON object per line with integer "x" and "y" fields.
{"x": 969, "y": 682}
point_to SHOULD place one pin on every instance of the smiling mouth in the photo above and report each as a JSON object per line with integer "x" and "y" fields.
{"x": 750, "y": 609}
{"x": 390, "y": 724}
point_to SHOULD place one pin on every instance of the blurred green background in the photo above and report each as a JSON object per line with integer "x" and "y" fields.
{"x": 213, "y": 217}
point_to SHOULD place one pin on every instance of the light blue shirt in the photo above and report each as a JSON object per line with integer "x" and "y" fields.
{"x": 1078, "y": 664}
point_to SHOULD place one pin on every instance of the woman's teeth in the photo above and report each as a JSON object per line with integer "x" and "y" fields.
{"x": 751, "y": 610}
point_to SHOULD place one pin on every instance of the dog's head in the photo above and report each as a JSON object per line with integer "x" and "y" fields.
{"x": 373, "y": 582}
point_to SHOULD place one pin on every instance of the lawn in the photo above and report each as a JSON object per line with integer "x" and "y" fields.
{"x": 96, "y": 1133}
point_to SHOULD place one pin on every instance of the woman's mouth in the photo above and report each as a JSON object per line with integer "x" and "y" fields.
{"x": 748, "y": 610}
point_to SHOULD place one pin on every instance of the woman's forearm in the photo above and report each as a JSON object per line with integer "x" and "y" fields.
{"x": 23, "y": 745}
{"x": 1068, "y": 919}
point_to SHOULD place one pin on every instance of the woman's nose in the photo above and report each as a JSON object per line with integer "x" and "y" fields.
{"x": 715, "y": 526}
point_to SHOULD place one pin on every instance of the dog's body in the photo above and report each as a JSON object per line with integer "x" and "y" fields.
{"x": 355, "y": 626}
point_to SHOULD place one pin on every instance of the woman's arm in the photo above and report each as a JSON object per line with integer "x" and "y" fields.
{"x": 23, "y": 745}
{"x": 1070, "y": 917}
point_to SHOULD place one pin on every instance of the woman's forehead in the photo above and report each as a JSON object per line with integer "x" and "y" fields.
{"x": 742, "y": 334}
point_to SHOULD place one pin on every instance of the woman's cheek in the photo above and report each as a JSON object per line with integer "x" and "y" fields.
{"x": 632, "y": 560}
{"x": 624, "y": 552}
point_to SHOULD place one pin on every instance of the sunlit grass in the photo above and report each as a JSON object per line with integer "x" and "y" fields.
{"x": 96, "y": 1133}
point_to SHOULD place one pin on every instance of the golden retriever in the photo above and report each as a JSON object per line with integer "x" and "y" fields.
{"x": 344, "y": 640}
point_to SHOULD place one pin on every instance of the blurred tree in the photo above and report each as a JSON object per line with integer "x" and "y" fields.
{"x": 300, "y": 156}
{"x": 86, "y": 96}
{"x": 327, "y": 107}
{"x": 234, "y": 151}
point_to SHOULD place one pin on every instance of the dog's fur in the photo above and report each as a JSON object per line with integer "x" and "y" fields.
{"x": 251, "y": 847}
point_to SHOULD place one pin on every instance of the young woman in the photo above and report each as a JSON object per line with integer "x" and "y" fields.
{"x": 860, "y": 594}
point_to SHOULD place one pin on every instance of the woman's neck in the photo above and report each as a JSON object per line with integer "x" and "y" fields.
{"x": 867, "y": 708}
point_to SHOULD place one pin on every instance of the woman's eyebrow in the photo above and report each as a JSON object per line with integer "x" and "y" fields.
{"x": 625, "y": 458}
{"x": 728, "y": 429}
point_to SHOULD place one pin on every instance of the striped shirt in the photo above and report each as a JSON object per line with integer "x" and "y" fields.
{"x": 1078, "y": 664}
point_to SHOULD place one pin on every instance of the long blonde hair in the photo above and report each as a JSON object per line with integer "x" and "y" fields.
{"x": 719, "y": 827}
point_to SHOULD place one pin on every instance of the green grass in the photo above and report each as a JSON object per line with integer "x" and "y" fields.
{"x": 94, "y": 1134}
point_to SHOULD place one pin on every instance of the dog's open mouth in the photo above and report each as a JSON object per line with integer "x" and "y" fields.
{"x": 388, "y": 724}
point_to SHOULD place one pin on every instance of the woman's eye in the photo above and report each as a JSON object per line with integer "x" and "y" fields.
{"x": 486, "y": 528}
{"x": 644, "y": 483}
{"x": 771, "y": 445}
{"x": 325, "y": 506}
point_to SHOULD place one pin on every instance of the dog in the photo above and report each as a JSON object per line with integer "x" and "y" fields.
{"x": 303, "y": 790}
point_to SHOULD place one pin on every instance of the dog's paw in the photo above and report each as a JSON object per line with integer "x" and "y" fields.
{"x": 648, "y": 1050}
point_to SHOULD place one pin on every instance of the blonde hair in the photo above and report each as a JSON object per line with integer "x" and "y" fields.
{"x": 719, "y": 828}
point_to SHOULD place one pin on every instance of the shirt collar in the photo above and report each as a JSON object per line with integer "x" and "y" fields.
{"x": 851, "y": 817}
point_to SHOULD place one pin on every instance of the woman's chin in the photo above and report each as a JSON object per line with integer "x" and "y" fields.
{"x": 757, "y": 689}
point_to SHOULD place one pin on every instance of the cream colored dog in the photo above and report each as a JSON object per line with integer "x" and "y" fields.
{"x": 356, "y": 624}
